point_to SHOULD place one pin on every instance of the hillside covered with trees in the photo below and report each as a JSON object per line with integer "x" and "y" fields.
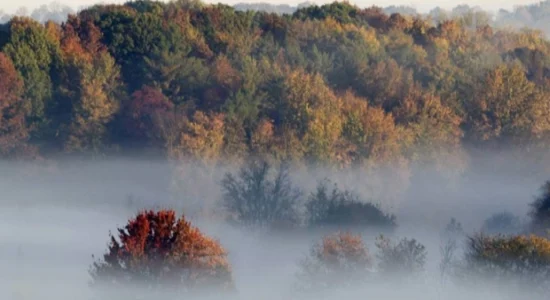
{"x": 336, "y": 85}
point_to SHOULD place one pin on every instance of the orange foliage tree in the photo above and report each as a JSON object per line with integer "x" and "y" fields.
{"x": 339, "y": 260}
{"x": 158, "y": 250}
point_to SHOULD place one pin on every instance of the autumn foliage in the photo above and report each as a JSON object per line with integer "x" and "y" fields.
{"x": 340, "y": 259}
{"x": 335, "y": 85}
{"x": 157, "y": 250}
{"x": 518, "y": 260}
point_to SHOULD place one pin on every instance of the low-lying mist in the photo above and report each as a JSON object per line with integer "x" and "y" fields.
{"x": 54, "y": 217}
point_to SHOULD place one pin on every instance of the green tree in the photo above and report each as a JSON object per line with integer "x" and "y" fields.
{"x": 36, "y": 57}
{"x": 260, "y": 196}
{"x": 337, "y": 208}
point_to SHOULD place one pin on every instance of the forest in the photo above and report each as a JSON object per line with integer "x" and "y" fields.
{"x": 336, "y": 128}
{"x": 335, "y": 84}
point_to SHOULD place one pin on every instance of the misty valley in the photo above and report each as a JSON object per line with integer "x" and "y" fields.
{"x": 181, "y": 149}
{"x": 276, "y": 232}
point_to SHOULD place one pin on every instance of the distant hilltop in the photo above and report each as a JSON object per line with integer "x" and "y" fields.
{"x": 272, "y": 8}
{"x": 535, "y": 16}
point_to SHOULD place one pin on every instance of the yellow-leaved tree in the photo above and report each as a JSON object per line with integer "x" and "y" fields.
{"x": 313, "y": 111}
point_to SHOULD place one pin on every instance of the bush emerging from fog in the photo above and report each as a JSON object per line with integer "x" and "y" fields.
{"x": 502, "y": 223}
{"x": 540, "y": 210}
{"x": 403, "y": 259}
{"x": 260, "y": 196}
{"x": 158, "y": 251}
{"x": 339, "y": 260}
{"x": 337, "y": 208}
{"x": 523, "y": 260}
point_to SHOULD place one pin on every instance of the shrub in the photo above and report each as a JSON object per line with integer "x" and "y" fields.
{"x": 540, "y": 210}
{"x": 339, "y": 260}
{"x": 259, "y": 197}
{"x": 524, "y": 260}
{"x": 157, "y": 251}
{"x": 405, "y": 258}
{"x": 502, "y": 223}
{"x": 344, "y": 209}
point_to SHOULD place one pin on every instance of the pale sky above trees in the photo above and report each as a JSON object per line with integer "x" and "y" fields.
{"x": 422, "y": 5}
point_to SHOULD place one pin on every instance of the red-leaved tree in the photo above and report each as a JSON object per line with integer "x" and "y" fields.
{"x": 156, "y": 251}
{"x": 146, "y": 104}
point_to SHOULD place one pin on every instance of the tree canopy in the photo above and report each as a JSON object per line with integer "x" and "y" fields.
{"x": 336, "y": 84}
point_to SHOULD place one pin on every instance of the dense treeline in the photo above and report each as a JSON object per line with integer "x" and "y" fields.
{"x": 530, "y": 15}
{"x": 333, "y": 84}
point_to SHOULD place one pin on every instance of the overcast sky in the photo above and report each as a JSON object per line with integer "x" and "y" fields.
{"x": 422, "y": 5}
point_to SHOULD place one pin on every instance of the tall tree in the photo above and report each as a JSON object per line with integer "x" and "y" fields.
{"x": 36, "y": 57}
{"x": 507, "y": 107}
{"x": 92, "y": 86}
{"x": 13, "y": 130}
{"x": 312, "y": 109}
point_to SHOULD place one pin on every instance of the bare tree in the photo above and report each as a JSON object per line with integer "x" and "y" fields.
{"x": 449, "y": 244}
{"x": 400, "y": 260}
{"x": 259, "y": 197}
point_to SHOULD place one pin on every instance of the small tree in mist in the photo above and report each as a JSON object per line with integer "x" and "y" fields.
{"x": 257, "y": 196}
{"x": 521, "y": 260}
{"x": 337, "y": 208}
{"x": 156, "y": 251}
{"x": 450, "y": 238}
{"x": 540, "y": 210}
{"x": 338, "y": 260}
{"x": 403, "y": 259}
{"x": 502, "y": 223}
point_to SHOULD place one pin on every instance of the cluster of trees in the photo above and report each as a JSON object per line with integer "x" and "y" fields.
{"x": 520, "y": 260}
{"x": 262, "y": 196}
{"x": 343, "y": 260}
{"x": 335, "y": 84}
{"x": 530, "y": 15}
{"x": 158, "y": 253}
{"x": 522, "y": 16}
